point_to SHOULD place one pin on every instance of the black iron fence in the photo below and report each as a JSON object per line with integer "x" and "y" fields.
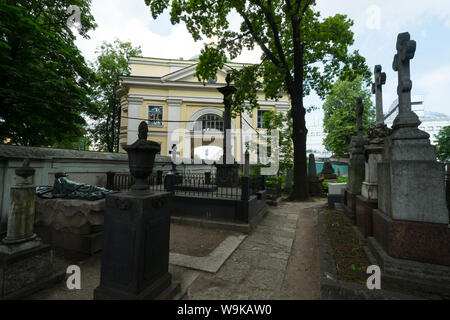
{"x": 202, "y": 185}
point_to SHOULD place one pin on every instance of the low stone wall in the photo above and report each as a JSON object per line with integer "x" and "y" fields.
{"x": 82, "y": 166}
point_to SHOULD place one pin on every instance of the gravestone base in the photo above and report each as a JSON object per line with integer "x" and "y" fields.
{"x": 135, "y": 256}
{"x": 63, "y": 239}
{"x": 350, "y": 205}
{"x": 408, "y": 274}
{"x": 329, "y": 176}
{"x": 26, "y": 268}
{"x": 364, "y": 208}
{"x": 227, "y": 175}
{"x": 315, "y": 188}
{"x": 418, "y": 241}
{"x": 162, "y": 289}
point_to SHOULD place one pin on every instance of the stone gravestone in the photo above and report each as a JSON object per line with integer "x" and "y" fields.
{"x": 328, "y": 171}
{"x": 368, "y": 200}
{"x": 356, "y": 166}
{"x": 26, "y": 264}
{"x": 314, "y": 184}
{"x": 412, "y": 220}
{"x": 227, "y": 173}
{"x": 135, "y": 256}
{"x": 288, "y": 182}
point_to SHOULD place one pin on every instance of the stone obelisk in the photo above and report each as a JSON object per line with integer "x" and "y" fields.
{"x": 356, "y": 166}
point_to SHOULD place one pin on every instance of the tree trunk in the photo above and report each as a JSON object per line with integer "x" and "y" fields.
{"x": 299, "y": 133}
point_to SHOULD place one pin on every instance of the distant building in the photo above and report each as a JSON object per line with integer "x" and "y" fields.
{"x": 316, "y": 135}
{"x": 432, "y": 122}
{"x": 167, "y": 94}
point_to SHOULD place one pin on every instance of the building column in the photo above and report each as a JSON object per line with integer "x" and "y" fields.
{"x": 134, "y": 118}
{"x": 173, "y": 114}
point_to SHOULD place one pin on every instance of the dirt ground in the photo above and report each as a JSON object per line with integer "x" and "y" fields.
{"x": 301, "y": 279}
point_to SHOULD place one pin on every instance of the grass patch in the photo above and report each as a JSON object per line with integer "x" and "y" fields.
{"x": 350, "y": 259}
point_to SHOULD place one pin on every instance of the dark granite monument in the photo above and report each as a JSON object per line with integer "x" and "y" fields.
{"x": 328, "y": 171}
{"x": 411, "y": 234}
{"x": 356, "y": 168}
{"x": 368, "y": 200}
{"x": 135, "y": 257}
{"x": 26, "y": 264}
{"x": 227, "y": 174}
{"x": 314, "y": 184}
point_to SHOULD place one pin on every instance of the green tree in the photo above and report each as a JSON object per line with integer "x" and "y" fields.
{"x": 339, "y": 120}
{"x": 280, "y": 121}
{"x": 301, "y": 53}
{"x": 44, "y": 80}
{"x": 443, "y": 144}
{"x": 111, "y": 63}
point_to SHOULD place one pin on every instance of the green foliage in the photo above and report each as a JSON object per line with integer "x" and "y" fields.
{"x": 443, "y": 145}
{"x": 340, "y": 114}
{"x": 325, "y": 186}
{"x": 279, "y": 120}
{"x": 342, "y": 179}
{"x": 44, "y": 80}
{"x": 301, "y": 53}
{"x": 112, "y": 62}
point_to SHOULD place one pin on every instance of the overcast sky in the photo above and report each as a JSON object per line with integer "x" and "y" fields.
{"x": 377, "y": 24}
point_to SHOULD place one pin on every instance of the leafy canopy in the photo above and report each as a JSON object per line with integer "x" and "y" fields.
{"x": 443, "y": 144}
{"x": 44, "y": 80}
{"x": 339, "y": 120}
{"x": 112, "y": 62}
{"x": 269, "y": 25}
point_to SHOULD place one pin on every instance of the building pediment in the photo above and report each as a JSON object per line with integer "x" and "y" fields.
{"x": 188, "y": 74}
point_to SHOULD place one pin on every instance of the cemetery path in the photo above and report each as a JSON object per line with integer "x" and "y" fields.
{"x": 278, "y": 260}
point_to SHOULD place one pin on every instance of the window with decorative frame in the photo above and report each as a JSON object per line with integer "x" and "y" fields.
{"x": 155, "y": 115}
{"x": 261, "y": 118}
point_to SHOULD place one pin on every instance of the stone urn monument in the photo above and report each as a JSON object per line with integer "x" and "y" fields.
{"x": 135, "y": 257}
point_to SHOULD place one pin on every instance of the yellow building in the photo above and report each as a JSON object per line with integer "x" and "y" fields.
{"x": 168, "y": 95}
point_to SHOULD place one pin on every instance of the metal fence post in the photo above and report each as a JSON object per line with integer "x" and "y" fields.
{"x": 245, "y": 188}
{"x": 207, "y": 177}
{"x": 110, "y": 180}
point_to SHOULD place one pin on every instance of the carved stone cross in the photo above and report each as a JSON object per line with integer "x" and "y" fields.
{"x": 406, "y": 49}
{"x": 380, "y": 80}
{"x": 359, "y": 116}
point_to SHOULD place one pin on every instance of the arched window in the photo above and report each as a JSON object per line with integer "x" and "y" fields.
{"x": 209, "y": 122}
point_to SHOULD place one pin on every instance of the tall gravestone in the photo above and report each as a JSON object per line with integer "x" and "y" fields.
{"x": 26, "y": 264}
{"x": 135, "y": 256}
{"x": 314, "y": 184}
{"x": 356, "y": 168}
{"x": 368, "y": 200}
{"x": 227, "y": 173}
{"x": 411, "y": 223}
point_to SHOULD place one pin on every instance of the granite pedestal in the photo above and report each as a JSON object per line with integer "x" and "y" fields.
{"x": 135, "y": 256}
{"x": 227, "y": 175}
{"x": 350, "y": 205}
{"x": 71, "y": 224}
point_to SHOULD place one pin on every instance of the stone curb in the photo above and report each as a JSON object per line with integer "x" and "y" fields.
{"x": 333, "y": 289}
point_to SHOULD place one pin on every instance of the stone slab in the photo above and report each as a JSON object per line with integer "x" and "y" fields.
{"x": 418, "y": 241}
{"x": 364, "y": 208}
{"x": 413, "y": 191}
{"x": 409, "y": 274}
{"x": 336, "y": 188}
{"x": 83, "y": 243}
{"x": 25, "y": 272}
{"x": 213, "y": 261}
